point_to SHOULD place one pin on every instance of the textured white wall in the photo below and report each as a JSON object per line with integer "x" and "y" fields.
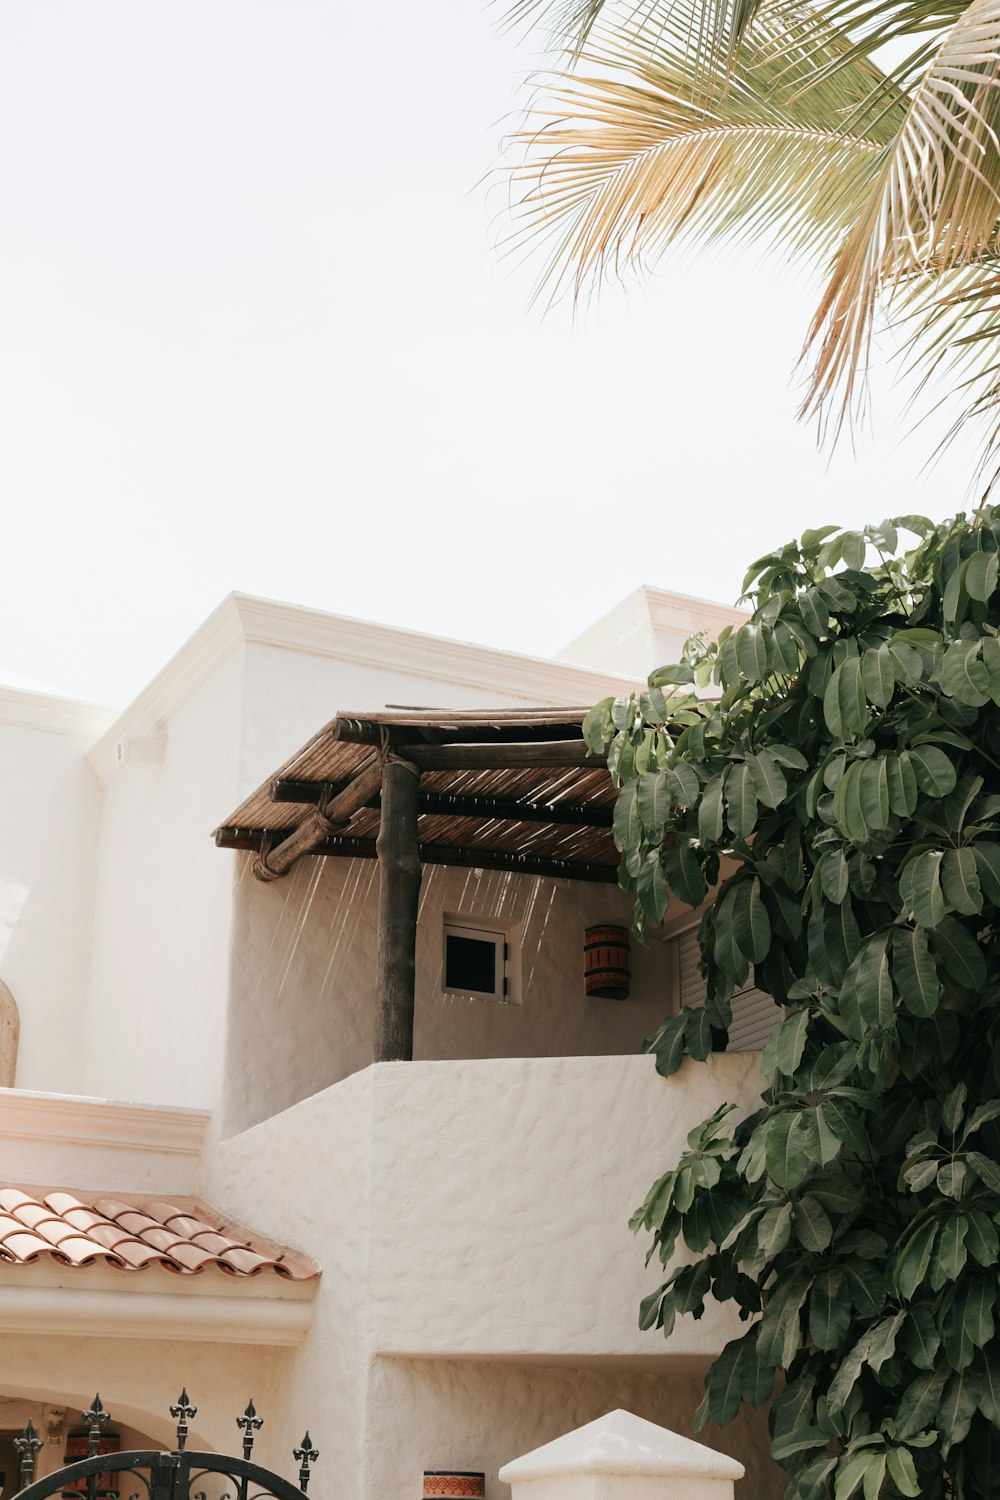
{"x": 504, "y": 1192}
{"x": 159, "y": 980}
{"x": 139, "y": 1379}
{"x": 477, "y": 1212}
{"x": 435, "y": 1414}
{"x": 302, "y": 1002}
{"x": 49, "y": 815}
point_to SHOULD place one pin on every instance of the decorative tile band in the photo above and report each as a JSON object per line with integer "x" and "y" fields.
{"x": 453, "y": 1484}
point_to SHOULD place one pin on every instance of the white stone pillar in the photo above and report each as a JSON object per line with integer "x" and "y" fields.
{"x": 622, "y": 1457}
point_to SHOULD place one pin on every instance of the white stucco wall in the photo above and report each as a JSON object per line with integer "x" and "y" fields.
{"x": 49, "y": 819}
{"x": 471, "y": 1220}
{"x": 302, "y": 1001}
{"x": 162, "y": 909}
{"x": 434, "y": 1414}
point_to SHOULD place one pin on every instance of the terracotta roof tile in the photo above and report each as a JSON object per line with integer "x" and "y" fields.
{"x": 186, "y": 1237}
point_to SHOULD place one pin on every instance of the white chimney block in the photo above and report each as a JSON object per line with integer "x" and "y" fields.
{"x": 622, "y": 1457}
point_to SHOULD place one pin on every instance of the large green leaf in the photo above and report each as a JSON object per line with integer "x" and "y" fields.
{"x": 902, "y": 783}
{"x": 963, "y": 675}
{"x": 751, "y": 923}
{"x": 950, "y": 1254}
{"x": 981, "y": 575}
{"x": 934, "y": 771}
{"x": 988, "y": 870}
{"x": 780, "y": 1329}
{"x": 654, "y": 802}
{"x": 813, "y": 1229}
{"x": 829, "y": 1309}
{"x": 915, "y": 972}
{"x": 751, "y": 652}
{"x": 833, "y": 875}
{"x": 914, "y": 1259}
{"x": 626, "y": 823}
{"x": 845, "y": 706}
{"x": 873, "y": 983}
{"x": 878, "y": 676}
{"x": 683, "y": 871}
{"x": 958, "y": 1406}
{"x": 959, "y": 957}
{"x": 786, "y": 1044}
{"x": 728, "y": 954}
{"x": 767, "y": 777}
{"x": 919, "y": 1405}
{"x": 960, "y": 881}
{"x": 710, "y": 811}
{"x": 683, "y": 784}
{"x": 920, "y": 888}
{"x": 723, "y": 1386}
{"x": 651, "y": 887}
{"x": 791, "y": 1149}
{"x": 741, "y": 800}
{"x": 874, "y": 793}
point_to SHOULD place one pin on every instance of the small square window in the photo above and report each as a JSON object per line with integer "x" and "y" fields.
{"x": 475, "y": 962}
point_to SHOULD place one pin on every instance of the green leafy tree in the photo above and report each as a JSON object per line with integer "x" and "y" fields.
{"x": 840, "y": 798}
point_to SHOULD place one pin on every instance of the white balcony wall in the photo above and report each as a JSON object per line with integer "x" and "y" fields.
{"x": 302, "y": 1005}
{"x": 480, "y": 1285}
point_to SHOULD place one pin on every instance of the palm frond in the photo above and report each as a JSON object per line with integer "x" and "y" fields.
{"x": 951, "y": 324}
{"x": 633, "y": 153}
{"x": 935, "y": 204}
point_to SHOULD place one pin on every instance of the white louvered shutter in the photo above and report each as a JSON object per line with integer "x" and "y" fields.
{"x": 755, "y": 1014}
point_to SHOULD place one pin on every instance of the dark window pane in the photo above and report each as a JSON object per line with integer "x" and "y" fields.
{"x": 470, "y": 964}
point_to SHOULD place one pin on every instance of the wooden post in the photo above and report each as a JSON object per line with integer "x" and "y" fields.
{"x": 398, "y": 896}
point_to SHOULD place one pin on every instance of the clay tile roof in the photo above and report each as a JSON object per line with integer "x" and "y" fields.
{"x": 184, "y": 1236}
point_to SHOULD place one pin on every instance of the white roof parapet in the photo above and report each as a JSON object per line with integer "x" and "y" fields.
{"x": 622, "y": 1457}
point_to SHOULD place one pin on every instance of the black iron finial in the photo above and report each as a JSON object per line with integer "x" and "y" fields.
{"x": 305, "y": 1456}
{"x": 250, "y": 1423}
{"x": 182, "y": 1413}
{"x": 95, "y": 1419}
{"x": 27, "y": 1445}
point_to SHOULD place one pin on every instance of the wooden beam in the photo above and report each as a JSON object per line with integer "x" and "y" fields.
{"x": 468, "y": 757}
{"x": 418, "y": 725}
{"x": 398, "y": 899}
{"x": 275, "y": 862}
{"x": 343, "y": 847}
{"x": 458, "y": 805}
{"x": 361, "y": 732}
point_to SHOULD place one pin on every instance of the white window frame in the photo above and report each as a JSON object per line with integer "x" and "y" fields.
{"x": 495, "y": 935}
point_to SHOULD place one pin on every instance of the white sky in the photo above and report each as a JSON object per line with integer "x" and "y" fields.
{"x": 252, "y": 335}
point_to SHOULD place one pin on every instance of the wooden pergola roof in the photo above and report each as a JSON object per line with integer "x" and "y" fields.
{"x": 512, "y": 790}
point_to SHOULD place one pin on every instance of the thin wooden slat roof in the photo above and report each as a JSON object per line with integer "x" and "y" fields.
{"x": 532, "y": 818}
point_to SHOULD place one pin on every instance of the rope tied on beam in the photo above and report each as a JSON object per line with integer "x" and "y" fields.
{"x": 388, "y": 756}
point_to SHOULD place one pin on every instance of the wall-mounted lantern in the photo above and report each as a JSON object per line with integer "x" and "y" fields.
{"x": 606, "y": 969}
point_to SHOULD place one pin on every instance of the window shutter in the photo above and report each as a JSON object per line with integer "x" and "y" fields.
{"x": 755, "y": 1014}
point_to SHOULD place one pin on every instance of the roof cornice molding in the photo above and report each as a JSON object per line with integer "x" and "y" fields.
{"x": 202, "y": 654}
{"x": 246, "y": 619}
{"x": 79, "y": 1121}
{"x": 55, "y": 713}
{"x": 645, "y": 611}
{"x": 44, "y": 1300}
{"x": 368, "y": 643}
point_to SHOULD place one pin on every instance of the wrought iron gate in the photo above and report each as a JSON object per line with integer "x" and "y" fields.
{"x": 180, "y": 1474}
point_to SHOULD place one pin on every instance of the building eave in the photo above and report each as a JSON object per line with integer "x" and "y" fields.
{"x": 92, "y": 1303}
{"x": 54, "y": 713}
{"x": 75, "y": 1120}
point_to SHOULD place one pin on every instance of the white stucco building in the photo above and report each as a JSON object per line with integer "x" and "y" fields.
{"x": 425, "y": 1262}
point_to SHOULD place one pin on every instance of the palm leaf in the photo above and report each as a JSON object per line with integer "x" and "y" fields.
{"x": 635, "y": 152}
{"x": 933, "y": 208}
